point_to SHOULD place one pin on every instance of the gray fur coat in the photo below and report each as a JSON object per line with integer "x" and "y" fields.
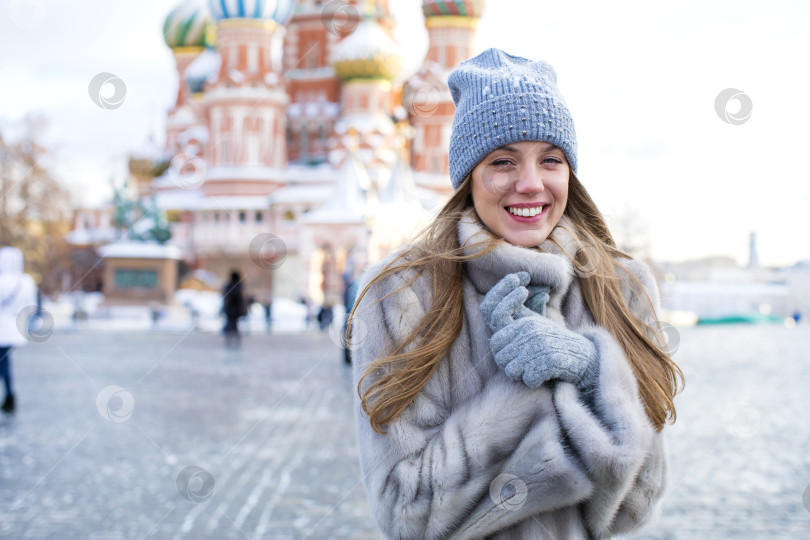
{"x": 478, "y": 455}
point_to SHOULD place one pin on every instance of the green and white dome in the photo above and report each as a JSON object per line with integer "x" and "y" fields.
{"x": 186, "y": 25}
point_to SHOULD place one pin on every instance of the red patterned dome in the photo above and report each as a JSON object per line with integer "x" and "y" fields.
{"x": 457, "y": 8}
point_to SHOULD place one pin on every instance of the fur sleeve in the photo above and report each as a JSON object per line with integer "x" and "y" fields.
{"x": 432, "y": 473}
{"x": 622, "y": 452}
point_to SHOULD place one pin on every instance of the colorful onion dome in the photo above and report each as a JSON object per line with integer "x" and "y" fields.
{"x": 186, "y": 25}
{"x": 279, "y": 11}
{"x": 455, "y": 8}
{"x": 368, "y": 53}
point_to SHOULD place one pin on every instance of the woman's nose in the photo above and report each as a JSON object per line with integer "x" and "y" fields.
{"x": 530, "y": 180}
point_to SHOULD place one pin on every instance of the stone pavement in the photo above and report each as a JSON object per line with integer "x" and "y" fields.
{"x": 169, "y": 435}
{"x": 107, "y": 423}
{"x": 740, "y": 449}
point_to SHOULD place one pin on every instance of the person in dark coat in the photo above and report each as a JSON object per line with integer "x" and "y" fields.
{"x": 349, "y": 296}
{"x": 234, "y": 307}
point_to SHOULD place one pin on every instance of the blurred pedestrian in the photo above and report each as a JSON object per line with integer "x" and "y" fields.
{"x": 235, "y": 307}
{"x": 349, "y": 296}
{"x": 325, "y": 317}
{"x": 309, "y": 315}
{"x": 268, "y": 315}
{"x": 17, "y": 292}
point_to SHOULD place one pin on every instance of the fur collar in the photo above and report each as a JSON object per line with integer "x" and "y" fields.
{"x": 547, "y": 264}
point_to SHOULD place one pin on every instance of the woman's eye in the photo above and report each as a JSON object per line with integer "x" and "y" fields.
{"x": 501, "y": 162}
{"x": 552, "y": 159}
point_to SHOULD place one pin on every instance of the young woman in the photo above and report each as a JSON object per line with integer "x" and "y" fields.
{"x": 510, "y": 383}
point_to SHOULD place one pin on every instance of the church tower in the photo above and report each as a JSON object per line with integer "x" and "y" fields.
{"x": 314, "y": 31}
{"x": 367, "y": 62}
{"x": 185, "y": 31}
{"x": 246, "y": 107}
{"x": 451, "y": 26}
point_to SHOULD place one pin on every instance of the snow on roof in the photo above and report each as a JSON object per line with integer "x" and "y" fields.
{"x": 323, "y": 72}
{"x": 333, "y": 215}
{"x": 168, "y": 182}
{"x": 301, "y": 194}
{"x": 198, "y": 132}
{"x": 139, "y": 250}
{"x": 240, "y": 172}
{"x": 400, "y": 188}
{"x": 347, "y": 203}
{"x": 310, "y": 174}
{"x": 90, "y": 236}
{"x": 181, "y": 116}
{"x": 365, "y": 123}
{"x": 203, "y": 68}
{"x": 149, "y": 150}
{"x": 244, "y": 202}
{"x": 181, "y": 199}
{"x": 247, "y": 93}
{"x": 368, "y": 41}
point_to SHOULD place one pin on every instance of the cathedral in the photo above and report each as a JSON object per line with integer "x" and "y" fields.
{"x": 297, "y": 150}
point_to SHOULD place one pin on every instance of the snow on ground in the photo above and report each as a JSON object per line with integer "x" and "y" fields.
{"x": 86, "y": 311}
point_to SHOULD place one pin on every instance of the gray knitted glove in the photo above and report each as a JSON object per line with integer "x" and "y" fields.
{"x": 504, "y": 302}
{"x": 530, "y": 347}
{"x": 538, "y": 298}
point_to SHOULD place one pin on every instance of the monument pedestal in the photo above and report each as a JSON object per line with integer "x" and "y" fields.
{"x": 139, "y": 273}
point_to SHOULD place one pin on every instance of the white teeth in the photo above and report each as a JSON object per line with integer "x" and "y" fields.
{"x": 525, "y": 212}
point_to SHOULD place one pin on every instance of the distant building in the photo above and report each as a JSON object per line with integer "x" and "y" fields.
{"x": 296, "y": 150}
{"x": 717, "y": 287}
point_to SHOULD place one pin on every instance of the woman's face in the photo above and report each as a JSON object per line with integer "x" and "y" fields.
{"x": 520, "y": 191}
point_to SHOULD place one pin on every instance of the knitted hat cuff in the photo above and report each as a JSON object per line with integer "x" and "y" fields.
{"x": 505, "y": 120}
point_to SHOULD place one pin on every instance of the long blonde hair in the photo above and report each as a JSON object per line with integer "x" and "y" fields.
{"x": 402, "y": 373}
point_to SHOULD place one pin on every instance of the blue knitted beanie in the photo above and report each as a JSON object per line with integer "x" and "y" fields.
{"x": 501, "y": 99}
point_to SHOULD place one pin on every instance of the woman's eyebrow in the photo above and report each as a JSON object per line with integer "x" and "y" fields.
{"x": 548, "y": 148}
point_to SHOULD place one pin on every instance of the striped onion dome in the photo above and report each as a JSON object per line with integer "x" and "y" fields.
{"x": 367, "y": 53}
{"x": 279, "y": 11}
{"x": 186, "y": 25}
{"x": 458, "y": 8}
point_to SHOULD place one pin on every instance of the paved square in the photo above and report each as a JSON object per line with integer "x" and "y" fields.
{"x": 112, "y": 427}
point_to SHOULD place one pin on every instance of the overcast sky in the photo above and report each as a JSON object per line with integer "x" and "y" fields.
{"x": 641, "y": 79}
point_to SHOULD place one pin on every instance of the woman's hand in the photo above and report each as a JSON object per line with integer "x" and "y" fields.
{"x": 527, "y": 345}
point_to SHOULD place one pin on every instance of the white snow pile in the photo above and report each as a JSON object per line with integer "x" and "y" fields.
{"x": 79, "y": 310}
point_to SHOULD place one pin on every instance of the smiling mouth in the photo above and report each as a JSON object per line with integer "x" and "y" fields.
{"x": 525, "y": 212}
